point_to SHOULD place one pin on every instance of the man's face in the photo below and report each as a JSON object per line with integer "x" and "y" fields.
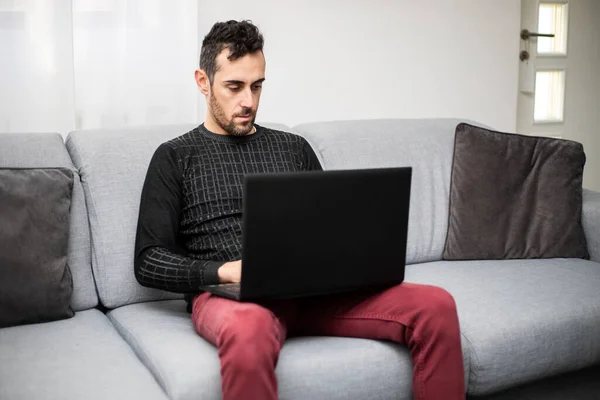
{"x": 234, "y": 94}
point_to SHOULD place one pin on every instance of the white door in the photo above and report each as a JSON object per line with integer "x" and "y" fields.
{"x": 559, "y": 85}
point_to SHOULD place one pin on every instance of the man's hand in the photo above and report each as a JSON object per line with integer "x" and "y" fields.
{"x": 230, "y": 272}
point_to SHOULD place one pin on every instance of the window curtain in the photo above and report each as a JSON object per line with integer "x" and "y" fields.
{"x": 553, "y": 18}
{"x": 79, "y": 64}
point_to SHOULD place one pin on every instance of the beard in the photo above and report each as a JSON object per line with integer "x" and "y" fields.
{"x": 228, "y": 125}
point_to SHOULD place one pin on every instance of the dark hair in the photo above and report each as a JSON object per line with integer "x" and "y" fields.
{"x": 240, "y": 38}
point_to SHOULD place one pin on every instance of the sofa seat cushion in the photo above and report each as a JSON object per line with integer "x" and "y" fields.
{"x": 79, "y": 358}
{"x": 581, "y": 385}
{"x": 524, "y": 319}
{"x": 188, "y": 367}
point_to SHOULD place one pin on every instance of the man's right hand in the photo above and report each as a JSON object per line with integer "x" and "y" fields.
{"x": 230, "y": 272}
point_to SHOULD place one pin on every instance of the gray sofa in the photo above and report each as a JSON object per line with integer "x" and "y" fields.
{"x": 530, "y": 328}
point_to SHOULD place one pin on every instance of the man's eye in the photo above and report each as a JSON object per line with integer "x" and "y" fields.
{"x": 258, "y": 87}
{"x": 234, "y": 88}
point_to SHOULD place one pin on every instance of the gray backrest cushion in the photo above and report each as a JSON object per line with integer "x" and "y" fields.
{"x": 424, "y": 144}
{"x": 47, "y": 150}
{"x": 113, "y": 165}
{"x": 591, "y": 222}
{"x": 35, "y": 280}
{"x": 276, "y": 125}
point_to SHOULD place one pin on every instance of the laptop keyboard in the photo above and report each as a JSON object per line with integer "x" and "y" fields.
{"x": 229, "y": 287}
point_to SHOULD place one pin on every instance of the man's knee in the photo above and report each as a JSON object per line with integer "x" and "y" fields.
{"x": 441, "y": 300}
{"x": 250, "y": 337}
{"x": 437, "y": 305}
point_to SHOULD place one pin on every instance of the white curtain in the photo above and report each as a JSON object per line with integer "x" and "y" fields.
{"x": 78, "y": 64}
{"x": 549, "y": 96}
{"x": 553, "y": 18}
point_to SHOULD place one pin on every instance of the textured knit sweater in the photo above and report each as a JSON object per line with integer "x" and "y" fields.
{"x": 190, "y": 220}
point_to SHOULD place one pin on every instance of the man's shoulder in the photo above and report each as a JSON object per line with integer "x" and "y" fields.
{"x": 184, "y": 141}
{"x": 284, "y": 136}
{"x": 176, "y": 149}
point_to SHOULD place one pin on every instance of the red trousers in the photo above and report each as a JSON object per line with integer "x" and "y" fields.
{"x": 249, "y": 336}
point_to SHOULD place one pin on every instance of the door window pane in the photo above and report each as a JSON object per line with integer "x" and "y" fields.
{"x": 553, "y": 18}
{"x": 549, "y": 96}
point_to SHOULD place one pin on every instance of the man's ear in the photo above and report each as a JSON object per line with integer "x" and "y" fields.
{"x": 202, "y": 81}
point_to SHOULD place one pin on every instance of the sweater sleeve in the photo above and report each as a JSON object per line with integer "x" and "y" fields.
{"x": 160, "y": 260}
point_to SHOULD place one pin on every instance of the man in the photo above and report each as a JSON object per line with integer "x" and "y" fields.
{"x": 189, "y": 234}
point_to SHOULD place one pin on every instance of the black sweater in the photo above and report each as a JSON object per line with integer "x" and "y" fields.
{"x": 190, "y": 220}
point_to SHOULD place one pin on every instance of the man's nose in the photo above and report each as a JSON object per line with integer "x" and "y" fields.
{"x": 247, "y": 99}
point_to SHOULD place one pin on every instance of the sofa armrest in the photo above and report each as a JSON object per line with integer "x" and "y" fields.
{"x": 591, "y": 222}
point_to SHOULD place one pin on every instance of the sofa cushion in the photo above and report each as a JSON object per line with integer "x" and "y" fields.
{"x": 35, "y": 280}
{"x": 515, "y": 196}
{"x": 79, "y": 358}
{"x": 425, "y": 144}
{"x": 47, "y": 150}
{"x": 113, "y": 165}
{"x": 524, "y": 320}
{"x": 590, "y": 219}
{"x": 188, "y": 367}
{"x": 581, "y": 385}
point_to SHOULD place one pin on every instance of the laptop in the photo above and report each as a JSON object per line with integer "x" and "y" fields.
{"x": 321, "y": 232}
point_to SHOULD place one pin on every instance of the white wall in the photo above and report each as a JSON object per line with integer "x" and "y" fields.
{"x": 329, "y": 60}
{"x": 87, "y": 64}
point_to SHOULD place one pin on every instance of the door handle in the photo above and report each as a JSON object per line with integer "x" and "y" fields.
{"x": 525, "y": 34}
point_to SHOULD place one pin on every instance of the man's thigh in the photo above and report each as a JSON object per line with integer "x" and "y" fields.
{"x": 212, "y": 314}
{"x": 383, "y": 314}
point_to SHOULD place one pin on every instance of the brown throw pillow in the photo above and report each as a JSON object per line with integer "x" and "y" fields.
{"x": 35, "y": 280}
{"x": 514, "y": 196}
